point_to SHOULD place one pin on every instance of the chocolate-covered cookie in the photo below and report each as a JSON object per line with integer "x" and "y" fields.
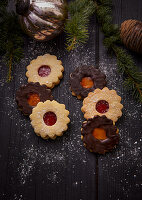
{"x": 86, "y": 79}
{"x": 28, "y": 96}
{"x": 99, "y": 134}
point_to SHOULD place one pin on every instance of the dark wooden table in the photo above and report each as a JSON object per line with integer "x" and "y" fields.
{"x": 34, "y": 169}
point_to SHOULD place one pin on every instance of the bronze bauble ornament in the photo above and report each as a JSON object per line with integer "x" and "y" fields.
{"x": 131, "y": 35}
{"x": 42, "y": 19}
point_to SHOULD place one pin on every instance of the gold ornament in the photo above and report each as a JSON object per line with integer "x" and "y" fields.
{"x": 42, "y": 19}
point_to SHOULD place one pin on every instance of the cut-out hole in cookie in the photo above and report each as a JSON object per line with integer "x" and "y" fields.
{"x": 99, "y": 134}
{"x": 33, "y": 99}
{"x": 49, "y": 118}
{"x": 102, "y": 106}
{"x": 44, "y": 70}
{"x": 87, "y": 82}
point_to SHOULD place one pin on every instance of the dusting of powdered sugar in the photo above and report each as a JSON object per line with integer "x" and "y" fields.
{"x": 49, "y": 161}
{"x": 55, "y": 159}
{"x": 125, "y": 160}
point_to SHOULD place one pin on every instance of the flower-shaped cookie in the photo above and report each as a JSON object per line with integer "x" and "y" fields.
{"x": 28, "y": 96}
{"x": 86, "y": 79}
{"x": 46, "y": 70}
{"x": 49, "y": 119}
{"x": 102, "y": 102}
{"x": 99, "y": 134}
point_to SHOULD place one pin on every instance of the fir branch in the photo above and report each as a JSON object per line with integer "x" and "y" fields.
{"x": 76, "y": 26}
{"x": 11, "y": 40}
{"x": 112, "y": 41}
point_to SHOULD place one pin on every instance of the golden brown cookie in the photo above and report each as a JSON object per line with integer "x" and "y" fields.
{"x": 49, "y": 119}
{"x": 46, "y": 70}
{"x": 102, "y": 102}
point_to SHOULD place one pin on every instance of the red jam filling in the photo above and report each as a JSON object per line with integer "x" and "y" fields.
{"x": 99, "y": 134}
{"x": 33, "y": 99}
{"x": 44, "y": 71}
{"x": 102, "y": 106}
{"x": 49, "y": 118}
{"x": 87, "y": 82}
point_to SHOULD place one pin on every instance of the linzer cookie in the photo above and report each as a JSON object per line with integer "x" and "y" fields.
{"x": 86, "y": 79}
{"x": 102, "y": 102}
{"x": 49, "y": 119}
{"x": 99, "y": 134}
{"x": 28, "y": 96}
{"x": 46, "y": 70}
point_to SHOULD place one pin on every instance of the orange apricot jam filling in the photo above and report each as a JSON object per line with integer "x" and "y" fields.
{"x": 86, "y": 82}
{"x": 99, "y": 134}
{"x": 33, "y": 99}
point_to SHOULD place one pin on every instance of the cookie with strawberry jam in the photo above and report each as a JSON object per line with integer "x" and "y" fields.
{"x": 46, "y": 69}
{"x": 28, "y": 96}
{"x": 49, "y": 119}
{"x": 102, "y": 102}
{"x": 86, "y": 79}
{"x": 99, "y": 134}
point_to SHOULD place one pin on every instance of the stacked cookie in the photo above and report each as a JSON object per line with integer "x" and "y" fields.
{"x": 48, "y": 117}
{"x": 101, "y": 108}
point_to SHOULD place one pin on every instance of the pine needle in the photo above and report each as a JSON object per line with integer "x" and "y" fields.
{"x": 76, "y": 27}
{"x": 11, "y": 41}
{"x": 112, "y": 41}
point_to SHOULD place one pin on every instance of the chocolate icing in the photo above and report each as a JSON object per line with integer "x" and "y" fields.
{"x": 86, "y": 71}
{"x": 95, "y": 145}
{"x": 31, "y": 88}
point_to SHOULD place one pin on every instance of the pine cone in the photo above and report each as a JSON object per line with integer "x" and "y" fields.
{"x": 131, "y": 35}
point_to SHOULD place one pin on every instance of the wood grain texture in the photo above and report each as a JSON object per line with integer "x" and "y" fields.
{"x": 119, "y": 171}
{"x": 34, "y": 169}
{"x": 38, "y": 169}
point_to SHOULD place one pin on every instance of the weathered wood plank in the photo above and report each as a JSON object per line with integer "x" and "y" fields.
{"x": 119, "y": 171}
{"x": 38, "y": 169}
{"x": 32, "y": 168}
